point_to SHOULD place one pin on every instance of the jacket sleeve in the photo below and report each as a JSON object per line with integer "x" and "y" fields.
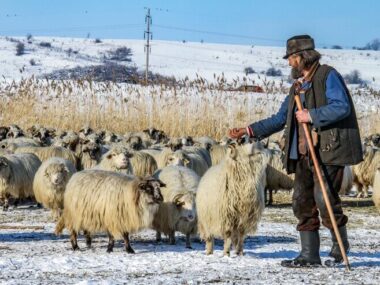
{"x": 337, "y": 107}
{"x": 271, "y": 125}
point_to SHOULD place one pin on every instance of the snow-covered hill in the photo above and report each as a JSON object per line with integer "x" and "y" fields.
{"x": 173, "y": 58}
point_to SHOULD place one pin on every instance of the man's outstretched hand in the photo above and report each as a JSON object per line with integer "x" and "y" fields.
{"x": 237, "y": 133}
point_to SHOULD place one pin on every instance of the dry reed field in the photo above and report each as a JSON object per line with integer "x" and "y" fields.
{"x": 193, "y": 108}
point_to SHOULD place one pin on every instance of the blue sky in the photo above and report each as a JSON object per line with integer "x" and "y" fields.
{"x": 346, "y": 23}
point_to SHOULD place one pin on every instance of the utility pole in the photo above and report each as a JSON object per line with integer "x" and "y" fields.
{"x": 148, "y": 36}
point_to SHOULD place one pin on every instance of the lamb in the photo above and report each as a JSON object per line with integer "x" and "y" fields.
{"x": 17, "y": 172}
{"x": 50, "y": 182}
{"x": 177, "y": 212}
{"x": 277, "y": 179}
{"x": 376, "y": 190}
{"x": 230, "y": 197}
{"x": 364, "y": 172}
{"x": 46, "y": 152}
{"x": 106, "y": 201}
{"x": 190, "y": 160}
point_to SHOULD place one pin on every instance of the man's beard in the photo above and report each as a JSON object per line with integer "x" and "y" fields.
{"x": 297, "y": 71}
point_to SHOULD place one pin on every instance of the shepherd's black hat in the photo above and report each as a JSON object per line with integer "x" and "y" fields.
{"x": 298, "y": 43}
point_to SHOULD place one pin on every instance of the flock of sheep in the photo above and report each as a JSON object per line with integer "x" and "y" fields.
{"x": 102, "y": 182}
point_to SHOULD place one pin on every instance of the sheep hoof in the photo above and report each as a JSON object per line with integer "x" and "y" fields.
{"x": 208, "y": 252}
{"x": 130, "y": 250}
{"x": 75, "y": 248}
{"x": 189, "y": 247}
{"x": 226, "y": 254}
{"x": 109, "y": 250}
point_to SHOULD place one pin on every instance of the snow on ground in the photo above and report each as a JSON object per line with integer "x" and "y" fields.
{"x": 36, "y": 256}
{"x": 175, "y": 58}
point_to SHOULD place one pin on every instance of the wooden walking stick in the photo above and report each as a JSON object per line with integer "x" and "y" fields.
{"x": 323, "y": 187}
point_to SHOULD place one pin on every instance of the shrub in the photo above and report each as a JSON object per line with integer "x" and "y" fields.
{"x": 249, "y": 70}
{"x": 273, "y": 72}
{"x": 32, "y": 62}
{"x": 120, "y": 54}
{"x": 336, "y": 47}
{"x": 98, "y": 41}
{"x": 45, "y": 44}
{"x": 354, "y": 78}
{"x": 20, "y": 49}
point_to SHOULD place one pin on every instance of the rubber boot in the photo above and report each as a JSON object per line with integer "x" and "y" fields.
{"x": 335, "y": 250}
{"x": 309, "y": 256}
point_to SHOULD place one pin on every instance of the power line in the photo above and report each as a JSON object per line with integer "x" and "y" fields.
{"x": 218, "y": 33}
{"x": 78, "y": 28}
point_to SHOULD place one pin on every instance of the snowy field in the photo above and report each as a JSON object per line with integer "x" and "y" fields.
{"x": 31, "y": 254}
{"x": 175, "y": 58}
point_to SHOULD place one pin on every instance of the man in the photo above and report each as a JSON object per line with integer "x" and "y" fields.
{"x": 330, "y": 113}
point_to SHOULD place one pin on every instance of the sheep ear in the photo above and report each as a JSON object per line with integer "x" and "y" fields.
{"x": 232, "y": 151}
{"x": 186, "y": 161}
{"x": 162, "y": 184}
{"x": 176, "y": 199}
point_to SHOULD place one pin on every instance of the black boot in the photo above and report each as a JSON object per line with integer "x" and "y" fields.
{"x": 335, "y": 250}
{"x": 309, "y": 256}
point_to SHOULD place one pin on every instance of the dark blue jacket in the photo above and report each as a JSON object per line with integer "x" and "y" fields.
{"x": 337, "y": 108}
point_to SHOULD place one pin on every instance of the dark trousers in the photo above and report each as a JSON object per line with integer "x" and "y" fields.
{"x": 308, "y": 200}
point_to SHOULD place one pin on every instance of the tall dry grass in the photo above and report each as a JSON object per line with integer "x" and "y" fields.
{"x": 194, "y": 110}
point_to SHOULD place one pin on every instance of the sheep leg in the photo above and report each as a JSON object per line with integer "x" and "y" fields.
{"x": 270, "y": 202}
{"x": 188, "y": 242}
{"x": 88, "y": 239}
{"x": 111, "y": 243}
{"x": 227, "y": 244}
{"x": 128, "y": 247}
{"x": 172, "y": 237}
{"x": 365, "y": 191}
{"x": 239, "y": 244}
{"x": 360, "y": 190}
{"x": 158, "y": 236}
{"x": 73, "y": 240}
{"x": 6, "y": 204}
{"x": 209, "y": 245}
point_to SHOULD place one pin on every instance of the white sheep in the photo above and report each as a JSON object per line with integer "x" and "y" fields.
{"x": 50, "y": 182}
{"x": 277, "y": 178}
{"x": 376, "y": 190}
{"x": 106, "y": 201}
{"x": 347, "y": 181}
{"x": 191, "y": 160}
{"x": 177, "y": 212}
{"x": 142, "y": 164}
{"x": 230, "y": 197}
{"x": 17, "y": 172}
{"x": 13, "y": 144}
{"x": 46, "y": 152}
{"x": 364, "y": 172}
{"x": 116, "y": 159}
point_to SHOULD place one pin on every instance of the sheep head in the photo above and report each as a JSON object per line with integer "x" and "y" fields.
{"x": 120, "y": 158}
{"x": 185, "y": 203}
{"x": 57, "y": 174}
{"x": 178, "y": 158}
{"x": 150, "y": 188}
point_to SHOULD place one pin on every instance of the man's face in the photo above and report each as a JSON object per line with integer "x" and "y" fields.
{"x": 296, "y": 63}
{"x": 294, "y": 60}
